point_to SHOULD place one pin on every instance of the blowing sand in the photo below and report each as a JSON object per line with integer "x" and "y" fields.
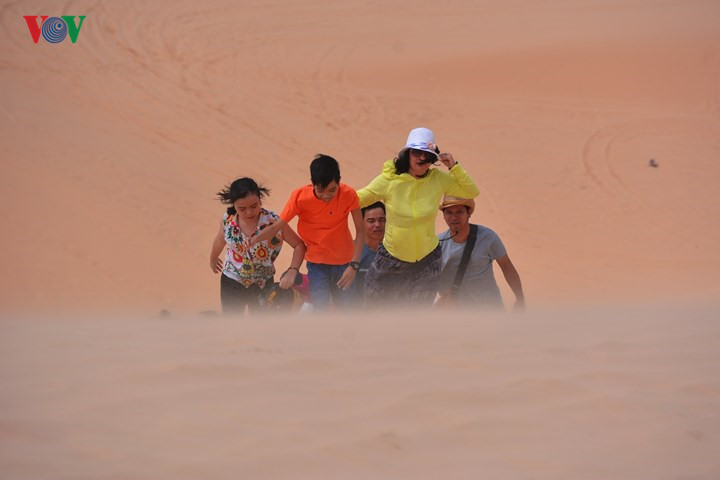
{"x": 112, "y": 149}
{"x": 604, "y": 394}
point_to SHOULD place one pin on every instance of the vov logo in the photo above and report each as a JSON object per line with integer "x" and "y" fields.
{"x": 54, "y": 29}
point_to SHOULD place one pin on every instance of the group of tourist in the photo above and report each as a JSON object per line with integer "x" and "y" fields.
{"x": 396, "y": 256}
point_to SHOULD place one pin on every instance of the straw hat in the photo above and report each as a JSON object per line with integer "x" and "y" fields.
{"x": 450, "y": 201}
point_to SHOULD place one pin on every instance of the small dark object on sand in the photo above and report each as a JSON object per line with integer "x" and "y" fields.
{"x": 165, "y": 313}
{"x": 653, "y": 163}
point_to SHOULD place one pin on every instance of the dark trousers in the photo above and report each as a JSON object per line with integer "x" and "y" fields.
{"x": 234, "y": 296}
{"x": 392, "y": 281}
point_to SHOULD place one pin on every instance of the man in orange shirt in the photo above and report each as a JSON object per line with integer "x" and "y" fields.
{"x": 322, "y": 209}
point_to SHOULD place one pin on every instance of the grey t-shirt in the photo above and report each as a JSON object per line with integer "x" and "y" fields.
{"x": 478, "y": 285}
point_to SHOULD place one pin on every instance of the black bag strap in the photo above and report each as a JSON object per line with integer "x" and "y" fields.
{"x": 467, "y": 251}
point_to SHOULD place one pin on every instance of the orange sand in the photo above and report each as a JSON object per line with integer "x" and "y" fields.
{"x": 113, "y": 148}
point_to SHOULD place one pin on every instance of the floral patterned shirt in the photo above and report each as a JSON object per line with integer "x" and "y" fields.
{"x": 249, "y": 265}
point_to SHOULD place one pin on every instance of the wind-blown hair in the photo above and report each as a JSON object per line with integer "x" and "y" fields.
{"x": 241, "y": 188}
{"x": 402, "y": 161}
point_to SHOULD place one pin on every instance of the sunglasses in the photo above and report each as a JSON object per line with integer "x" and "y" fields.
{"x": 418, "y": 153}
{"x": 429, "y": 157}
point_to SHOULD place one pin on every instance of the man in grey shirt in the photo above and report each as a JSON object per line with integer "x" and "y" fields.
{"x": 478, "y": 286}
{"x": 374, "y": 221}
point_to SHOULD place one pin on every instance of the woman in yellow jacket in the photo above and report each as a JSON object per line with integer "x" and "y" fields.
{"x": 409, "y": 260}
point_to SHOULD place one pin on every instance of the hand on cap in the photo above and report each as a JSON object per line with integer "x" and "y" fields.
{"x": 447, "y": 159}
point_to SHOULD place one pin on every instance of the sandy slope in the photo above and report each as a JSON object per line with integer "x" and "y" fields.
{"x": 111, "y": 151}
{"x": 612, "y": 393}
{"x": 112, "y": 148}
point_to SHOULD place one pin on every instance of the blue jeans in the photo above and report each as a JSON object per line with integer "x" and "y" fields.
{"x": 323, "y": 285}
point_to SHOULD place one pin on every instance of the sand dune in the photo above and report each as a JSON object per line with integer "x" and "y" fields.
{"x": 113, "y": 149}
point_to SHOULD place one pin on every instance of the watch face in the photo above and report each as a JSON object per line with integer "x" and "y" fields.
{"x": 355, "y": 265}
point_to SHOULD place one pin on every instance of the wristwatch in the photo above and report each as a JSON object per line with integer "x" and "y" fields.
{"x": 355, "y": 266}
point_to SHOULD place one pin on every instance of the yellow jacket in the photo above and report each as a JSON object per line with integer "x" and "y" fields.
{"x": 411, "y": 206}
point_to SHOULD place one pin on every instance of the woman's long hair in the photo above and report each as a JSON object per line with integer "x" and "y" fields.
{"x": 402, "y": 161}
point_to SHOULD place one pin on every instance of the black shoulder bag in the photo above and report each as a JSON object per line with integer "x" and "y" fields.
{"x": 467, "y": 251}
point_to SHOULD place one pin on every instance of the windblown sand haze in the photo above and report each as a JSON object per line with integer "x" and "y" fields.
{"x": 591, "y": 128}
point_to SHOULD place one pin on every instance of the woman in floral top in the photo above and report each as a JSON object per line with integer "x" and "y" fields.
{"x": 248, "y": 271}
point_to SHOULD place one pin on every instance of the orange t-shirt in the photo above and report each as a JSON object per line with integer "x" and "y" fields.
{"x": 323, "y": 226}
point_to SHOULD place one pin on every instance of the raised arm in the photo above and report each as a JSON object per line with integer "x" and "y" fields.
{"x": 267, "y": 233}
{"x": 286, "y": 216}
{"x": 512, "y": 277}
{"x": 373, "y": 192}
{"x": 457, "y": 183}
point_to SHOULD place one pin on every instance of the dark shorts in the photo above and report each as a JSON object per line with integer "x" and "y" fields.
{"x": 390, "y": 280}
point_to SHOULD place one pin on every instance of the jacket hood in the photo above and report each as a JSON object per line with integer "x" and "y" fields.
{"x": 388, "y": 172}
